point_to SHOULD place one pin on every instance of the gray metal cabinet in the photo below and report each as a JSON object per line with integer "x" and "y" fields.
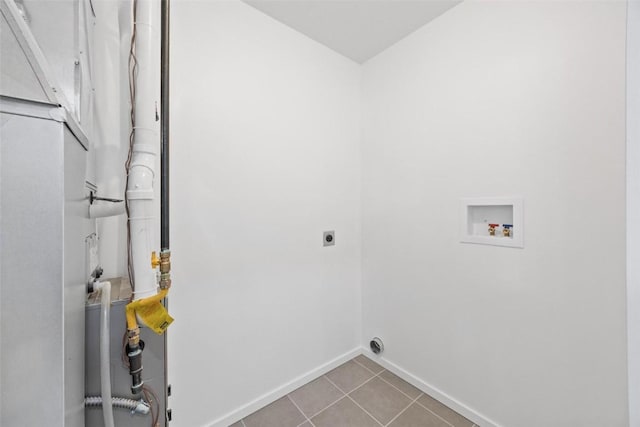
{"x": 44, "y": 221}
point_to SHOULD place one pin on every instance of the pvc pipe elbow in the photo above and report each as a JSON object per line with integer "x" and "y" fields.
{"x": 106, "y": 210}
{"x": 98, "y": 285}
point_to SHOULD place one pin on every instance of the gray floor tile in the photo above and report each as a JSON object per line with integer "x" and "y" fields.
{"x": 238, "y": 424}
{"x": 345, "y": 413}
{"x": 369, "y": 364}
{"x": 417, "y": 416}
{"x": 315, "y": 396}
{"x": 281, "y": 413}
{"x": 380, "y": 399}
{"x": 349, "y": 376}
{"x": 400, "y": 384}
{"x": 306, "y": 424}
{"x": 448, "y": 414}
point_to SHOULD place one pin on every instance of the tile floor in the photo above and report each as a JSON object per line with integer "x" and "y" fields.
{"x": 359, "y": 393}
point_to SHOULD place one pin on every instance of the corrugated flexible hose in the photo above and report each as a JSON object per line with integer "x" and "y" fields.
{"x": 135, "y": 406}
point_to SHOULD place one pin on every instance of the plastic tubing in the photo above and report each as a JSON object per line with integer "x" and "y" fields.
{"x": 105, "y": 370}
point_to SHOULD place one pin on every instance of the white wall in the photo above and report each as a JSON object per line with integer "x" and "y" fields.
{"x": 265, "y": 155}
{"x": 633, "y": 209}
{"x": 493, "y": 99}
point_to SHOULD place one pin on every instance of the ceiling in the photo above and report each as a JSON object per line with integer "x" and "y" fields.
{"x": 358, "y": 29}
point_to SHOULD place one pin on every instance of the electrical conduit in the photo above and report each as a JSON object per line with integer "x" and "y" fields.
{"x": 135, "y": 406}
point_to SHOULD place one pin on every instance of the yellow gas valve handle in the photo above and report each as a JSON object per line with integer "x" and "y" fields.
{"x": 155, "y": 261}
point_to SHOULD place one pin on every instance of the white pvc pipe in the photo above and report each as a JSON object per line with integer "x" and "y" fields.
{"x": 140, "y": 192}
{"x": 105, "y": 355}
{"x": 105, "y": 210}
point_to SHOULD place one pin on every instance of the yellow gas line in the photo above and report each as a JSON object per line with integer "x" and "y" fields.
{"x": 150, "y": 310}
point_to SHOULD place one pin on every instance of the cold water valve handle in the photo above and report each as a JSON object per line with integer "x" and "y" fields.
{"x": 506, "y": 230}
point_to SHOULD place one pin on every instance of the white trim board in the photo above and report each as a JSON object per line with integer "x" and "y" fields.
{"x": 281, "y": 391}
{"x": 432, "y": 391}
{"x": 633, "y": 210}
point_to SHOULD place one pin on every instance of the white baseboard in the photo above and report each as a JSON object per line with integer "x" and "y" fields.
{"x": 283, "y": 390}
{"x": 432, "y": 391}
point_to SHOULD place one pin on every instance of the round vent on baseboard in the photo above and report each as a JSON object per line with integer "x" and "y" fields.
{"x": 376, "y": 345}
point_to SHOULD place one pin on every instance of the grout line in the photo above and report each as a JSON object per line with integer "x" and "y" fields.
{"x": 322, "y": 410}
{"x": 334, "y": 384}
{"x": 379, "y": 375}
{"x": 368, "y": 368}
{"x": 374, "y": 376}
{"x": 435, "y": 413}
{"x": 408, "y": 406}
{"x": 356, "y": 403}
{"x": 367, "y": 412}
{"x": 345, "y": 394}
{"x": 331, "y": 404}
{"x": 405, "y": 394}
{"x": 421, "y": 392}
{"x": 414, "y": 400}
{"x": 298, "y": 408}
